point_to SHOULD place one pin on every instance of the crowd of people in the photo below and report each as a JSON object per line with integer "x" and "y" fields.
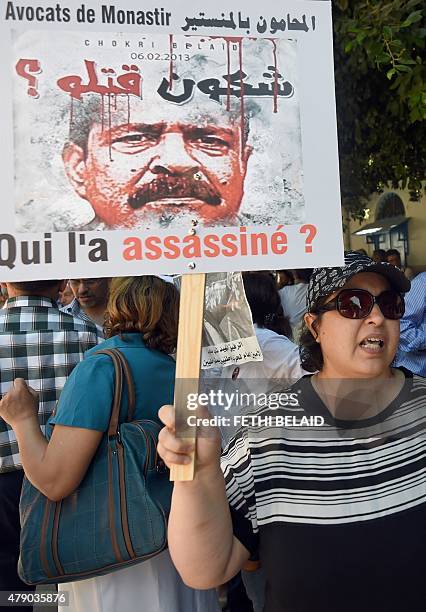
{"x": 324, "y": 513}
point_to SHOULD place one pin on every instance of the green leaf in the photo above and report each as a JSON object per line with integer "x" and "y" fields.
{"x": 390, "y": 73}
{"x": 402, "y": 68}
{"x": 396, "y": 45}
{"x": 412, "y": 3}
{"x": 383, "y": 58}
{"x": 414, "y": 17}
{"x": 387, "y": 32}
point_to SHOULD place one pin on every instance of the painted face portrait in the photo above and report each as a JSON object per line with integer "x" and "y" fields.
{"x": 159, "y": 162}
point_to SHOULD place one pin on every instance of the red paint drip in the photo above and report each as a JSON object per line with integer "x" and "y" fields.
{"x": 228, "y": 40}
{"x": 239, "y": 40}
{"x": 171, "y": 62}
{"x": 102, "y": 112}
{"x": 115, "y": 101}
{"x": 275, "y": 90}
{"x": 240, "y": 54}
{"x": 228, "y": 68}
{"x": 109, "y": 127}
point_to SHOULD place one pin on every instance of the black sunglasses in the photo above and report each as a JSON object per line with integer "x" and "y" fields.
{"x": 358, "y": 303}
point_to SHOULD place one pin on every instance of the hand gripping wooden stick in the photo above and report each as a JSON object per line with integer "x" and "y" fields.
{"x": 188, "y": 361}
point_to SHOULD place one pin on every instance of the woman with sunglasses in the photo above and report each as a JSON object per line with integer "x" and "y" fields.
{"x": 333, "y": 502}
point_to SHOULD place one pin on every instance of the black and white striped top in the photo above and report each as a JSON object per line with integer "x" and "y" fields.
{"x": 338, "y": 512}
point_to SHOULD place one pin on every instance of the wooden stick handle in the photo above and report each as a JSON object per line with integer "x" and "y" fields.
{"x": 188, "y": 361}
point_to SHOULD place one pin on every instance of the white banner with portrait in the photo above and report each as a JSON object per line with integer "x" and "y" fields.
{"x": 167, "y": 139}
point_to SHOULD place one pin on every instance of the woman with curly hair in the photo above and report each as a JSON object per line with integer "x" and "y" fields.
{"x": 141, "y": 322}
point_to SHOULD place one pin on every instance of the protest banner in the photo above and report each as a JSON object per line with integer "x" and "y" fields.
{"x": 123, "y": 127}
{"x": 167, "y": 139}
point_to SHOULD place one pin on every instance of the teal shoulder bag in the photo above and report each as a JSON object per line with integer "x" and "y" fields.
{"x": 116, "y": 517}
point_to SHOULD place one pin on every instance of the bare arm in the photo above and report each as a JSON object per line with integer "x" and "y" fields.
{"x": 54, "y": 467}
{"x": 201, "y": 541}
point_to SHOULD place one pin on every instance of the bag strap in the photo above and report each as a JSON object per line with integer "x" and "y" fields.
{"x": 130, "y": 384}
{"x": 120, "y": 367}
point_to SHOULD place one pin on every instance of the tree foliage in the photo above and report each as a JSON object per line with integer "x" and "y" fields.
{"x": 381, "y": 97}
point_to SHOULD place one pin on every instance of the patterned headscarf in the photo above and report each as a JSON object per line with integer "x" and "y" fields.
{"x": 325, "y": 281}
